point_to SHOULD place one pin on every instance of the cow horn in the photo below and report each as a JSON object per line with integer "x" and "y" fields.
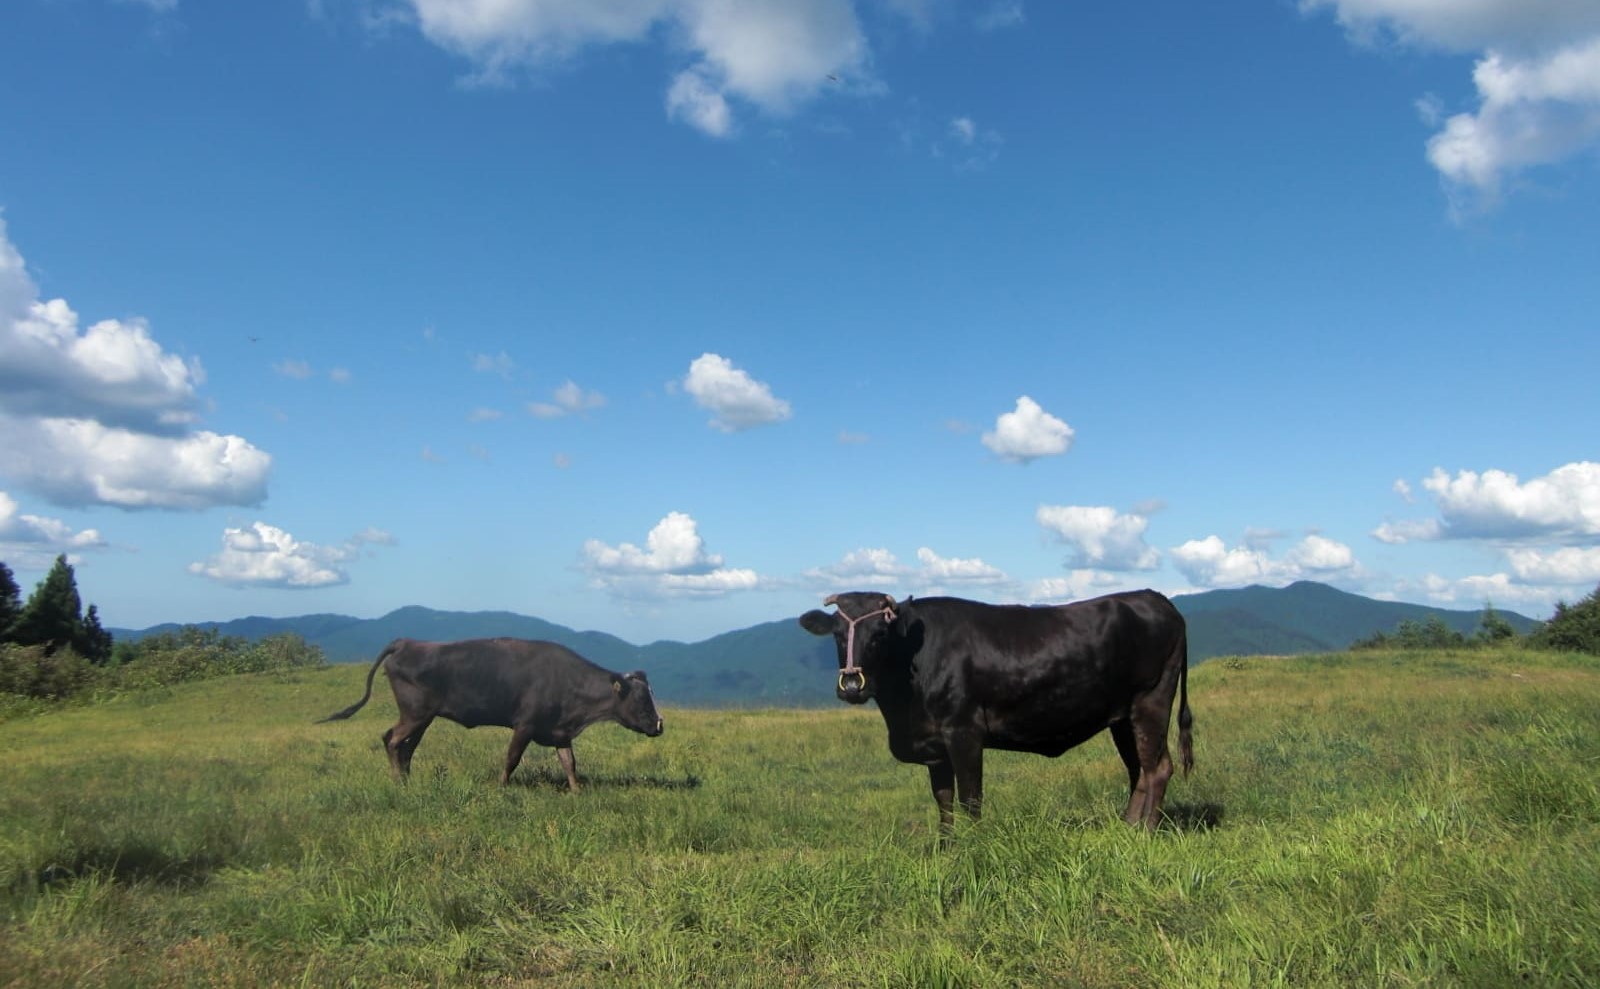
{"x": 832, "y": 599}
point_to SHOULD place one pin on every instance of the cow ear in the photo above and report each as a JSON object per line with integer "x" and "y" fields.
{"x": 817, "y": 622}
{"x": 639, "y": 676}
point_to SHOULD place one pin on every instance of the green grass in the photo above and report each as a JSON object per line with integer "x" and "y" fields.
{"x": 1354, "y": 820}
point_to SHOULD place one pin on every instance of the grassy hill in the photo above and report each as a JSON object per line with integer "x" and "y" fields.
{"x": 1373, "y": 819}
{"x": 780, "y": 663}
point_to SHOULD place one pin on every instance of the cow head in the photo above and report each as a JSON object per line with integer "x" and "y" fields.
{"x": 863, "y": 628}
{"x": 636, "y": 703}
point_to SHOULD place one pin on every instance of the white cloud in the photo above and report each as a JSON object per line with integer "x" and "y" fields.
{"x": 81, "y": 462}
{"x": 1403, "y": 489}
{"x": 1000, "y": 14}
{"x": 30, "y": 541}
{"x": 673, "y": 546}
{"x": 264, "y": 555}
{"x": 1568, "y": 565}
{"x": 1408, "y": 530}
{"x": 672, "y": 563}
{"x": 483, "y": 414}
{"x": 738, "y": 401}
{"x": 500, "y": 364}
{"x": 1076, "y": 585}
{"x": 1500, "y": 589}
{"x": 1101, "y": 537}
{"x": 693, "y": 99}
{"x": 773, "y": 54}
{"x": 939, "y": 572}
{"x": 569, "y": 399}
{"x": 113, "y": 372}
{"x": 339, "y": 375}
{"x": 1537, "y": 78}
{"x": 1564, "y": 503}
{"x": 963, "y": 130}
{"x": 105, "y": 416}
{"x": 1028, "y": 434}
{"x": 1209, "y": 562}
{"x": 299, "y": 370}
{"x": 865, "y": 566}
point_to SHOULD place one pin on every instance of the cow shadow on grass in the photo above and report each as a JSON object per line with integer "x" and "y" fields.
{"x": 134, "y": 862}
{"x": 1201, "y": 816}
{"x": 550, "y": 779}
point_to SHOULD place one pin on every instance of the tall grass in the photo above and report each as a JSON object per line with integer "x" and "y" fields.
{"x": 1356, "y": 820}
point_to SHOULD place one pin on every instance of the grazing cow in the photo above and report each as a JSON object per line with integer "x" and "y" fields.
{"x": 542, "y": 691}
{"x": 953, "y": 677}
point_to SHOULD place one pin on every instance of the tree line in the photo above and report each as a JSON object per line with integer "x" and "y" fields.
{"x": 52, "y": 648}
{"x": 1573, "y": 628}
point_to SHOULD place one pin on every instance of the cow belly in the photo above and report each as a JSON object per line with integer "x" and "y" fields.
{"x": 1044, "y": 736}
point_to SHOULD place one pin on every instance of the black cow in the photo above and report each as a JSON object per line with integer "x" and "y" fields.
{"x": 953, "y": 677}
{"x": 542, "y": 691}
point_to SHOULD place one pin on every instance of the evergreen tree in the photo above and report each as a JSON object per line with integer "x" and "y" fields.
{"x": 10, "y": 602}
{"x": 54, "y": 612}
{"x": 1493, "y": 627}
{"x": 94, "y": 642}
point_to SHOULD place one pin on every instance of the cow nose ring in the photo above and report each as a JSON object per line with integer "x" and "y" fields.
{"x": 858, "y": 674}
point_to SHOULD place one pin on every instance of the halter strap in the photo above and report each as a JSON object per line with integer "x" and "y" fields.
{"x": 850, "y": 667}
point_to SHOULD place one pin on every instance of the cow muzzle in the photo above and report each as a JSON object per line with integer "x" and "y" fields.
{"x": 853, "y": 686}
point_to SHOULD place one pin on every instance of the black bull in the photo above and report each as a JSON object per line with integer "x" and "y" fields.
{"x": 953, "y": 677}
{"x": 542, "y": 691}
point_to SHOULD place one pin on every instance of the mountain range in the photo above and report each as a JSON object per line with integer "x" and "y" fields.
{"x": 778, "y": 663}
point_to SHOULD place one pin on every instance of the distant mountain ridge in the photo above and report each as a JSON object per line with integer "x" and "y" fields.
{"x": 780, "y": 664}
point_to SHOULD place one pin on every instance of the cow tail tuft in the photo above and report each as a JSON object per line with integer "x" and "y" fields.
{"x": 388, "y": 650}
{"x": 1185, "y": 718}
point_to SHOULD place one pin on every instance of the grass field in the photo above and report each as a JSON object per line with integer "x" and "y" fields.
{"x": 1354, "y": 820}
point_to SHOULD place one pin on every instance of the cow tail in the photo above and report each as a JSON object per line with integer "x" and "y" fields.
{"x": 1185, "y": 719}
{"x": 388, "y": 651}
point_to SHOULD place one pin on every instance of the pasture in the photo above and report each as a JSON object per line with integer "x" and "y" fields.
{"x": 1374, "y": 819}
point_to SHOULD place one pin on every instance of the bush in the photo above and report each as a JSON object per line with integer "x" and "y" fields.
{"x": 34, "y": 671}
{"x": 1574, "y": 628}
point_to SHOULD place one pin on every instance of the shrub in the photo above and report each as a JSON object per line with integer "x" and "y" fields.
{"x": 1575, "y": 627}
{"x": 34, "y": 671}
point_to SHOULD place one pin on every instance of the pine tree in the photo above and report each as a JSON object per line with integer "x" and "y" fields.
{"x": 94, "y": 643}
{"x": 54, "y": 612}
{"x": 10, "y": 602}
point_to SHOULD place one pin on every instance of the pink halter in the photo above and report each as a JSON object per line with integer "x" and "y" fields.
{"x": 850, "y": 667}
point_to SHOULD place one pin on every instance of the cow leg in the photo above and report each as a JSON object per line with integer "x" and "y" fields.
{"x": 1150, "y": 716}
{"x": 966, "y": 756}
{"x": 569, "y": 762}
{"x": 1128, "y": 748}
{"x": 520, "y": 737}
{"x": 401, "y": 741}
{"x": 942, "y": 777}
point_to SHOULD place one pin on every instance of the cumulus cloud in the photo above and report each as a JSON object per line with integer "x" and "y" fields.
{"x": 1496, "y": 505}
{"x": 296, "y": 369}
{"x": 866, "y": 566}
{"x": 567, "y": 400}
{"x": 113, "y": 372}
{"x": 30, "y": 541}
{"x": 81, "y": 462}
{"x": 1101, "y": 537}
{"x": 1027, "y": 434}
{"x": 770, "y": 54}
{"x": 672, "y": 563}
{"x": 866, "y": 569}
{"x": 1075, "y": 586}
{"x": 1568, "y": 565}
{"x": 1537, "y": 79}
{"x": 737, "y": 401}
{"x": 105, "y": 415}
{"x": 941, "y": 573}
{"x": 1000, "y": 14}
{"x": 1210, "y": 562}
{"x": 263, "y": 555}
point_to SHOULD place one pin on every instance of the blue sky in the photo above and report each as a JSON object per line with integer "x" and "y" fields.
{"x": 668, "y": 317}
